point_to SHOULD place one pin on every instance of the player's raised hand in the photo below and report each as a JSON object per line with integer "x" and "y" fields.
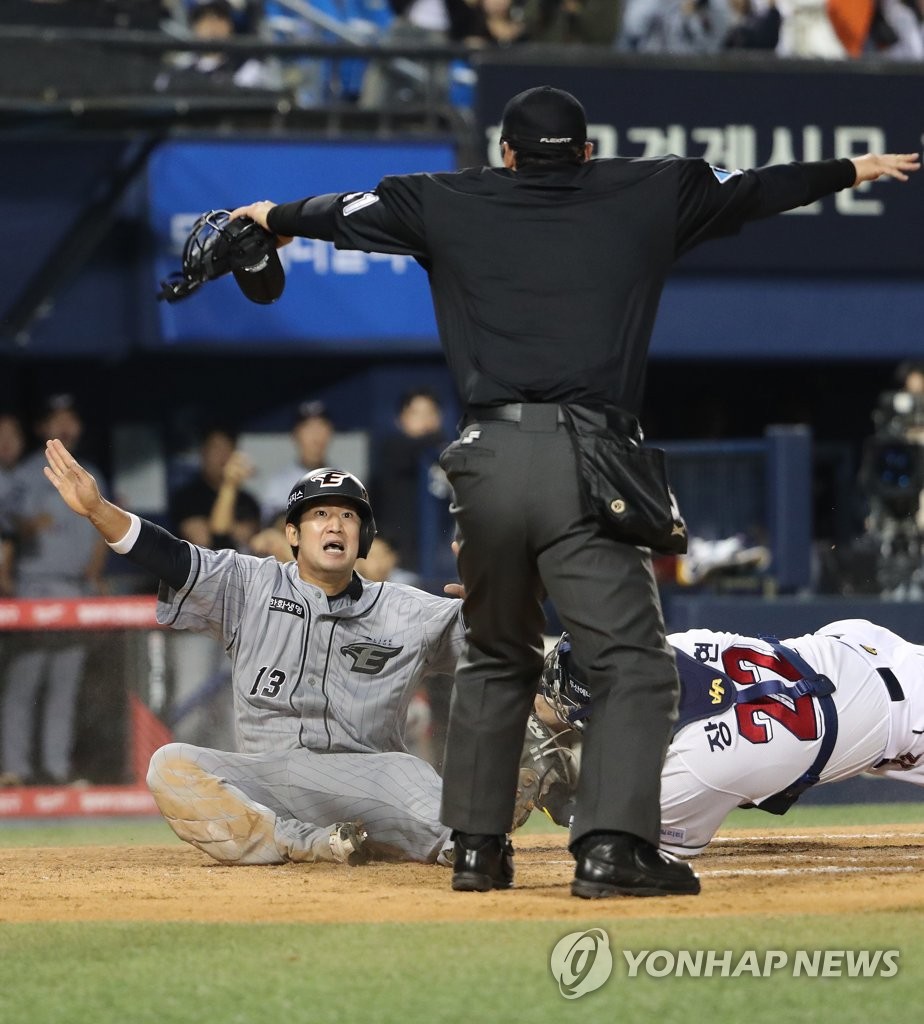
{"x": 873, "y": 166}
{"x": 77, "y": 487}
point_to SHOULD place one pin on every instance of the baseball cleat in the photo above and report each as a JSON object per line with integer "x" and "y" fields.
{"x": 347, "y": 843}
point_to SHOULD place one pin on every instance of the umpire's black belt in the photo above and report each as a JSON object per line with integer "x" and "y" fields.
{"x": 548, "y": 415}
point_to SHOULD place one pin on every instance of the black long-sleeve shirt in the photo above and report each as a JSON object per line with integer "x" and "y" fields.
{"x": 546, "y": 280}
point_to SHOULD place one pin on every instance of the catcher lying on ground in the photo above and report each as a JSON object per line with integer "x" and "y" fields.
{"x": 759, "y": 723}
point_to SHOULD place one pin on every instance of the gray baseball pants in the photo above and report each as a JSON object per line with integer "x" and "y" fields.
{"x": 268, "y": 809}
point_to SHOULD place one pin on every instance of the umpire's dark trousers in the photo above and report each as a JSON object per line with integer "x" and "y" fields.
{"x": 524, "y": 534}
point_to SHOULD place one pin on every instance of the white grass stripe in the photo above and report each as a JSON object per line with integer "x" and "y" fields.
{"x": 733, "y": 872}
{"x": 832, "y": 870}
{"x": 785, "y": 837}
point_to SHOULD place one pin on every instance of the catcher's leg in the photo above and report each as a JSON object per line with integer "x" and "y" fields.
{"x": 192, "y": 787}
{"x": 691, "y": 811}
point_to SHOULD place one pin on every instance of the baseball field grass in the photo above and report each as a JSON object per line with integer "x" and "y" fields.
{"x": 71, "y": 971}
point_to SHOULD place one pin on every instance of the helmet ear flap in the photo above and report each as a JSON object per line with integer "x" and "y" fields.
{"x": 366, "y": 535}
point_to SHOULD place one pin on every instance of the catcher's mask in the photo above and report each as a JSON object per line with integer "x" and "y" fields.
{"x": 566, "y": 696}
{"x": 217, "y": 246}
{"x": 321, "y": 485}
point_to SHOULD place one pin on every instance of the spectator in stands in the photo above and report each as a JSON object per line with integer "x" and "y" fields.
{"x": 214, "y": 510}
{"x": 496, "y": 23}
{"x": 312, "y": 433}
{"x": 806, "y": 30}
{"x": 215, "y": 20}
{"x": 584, "y": 22}
{"x": 755, "y": 25}
{"x": 406, "y": 472}
{"x": 852, "y": 21}
{"x": 896, "y": 30}
{"x": 271, "y": 541}
{"x": 384, "y": 563}
{"x": 417, "y": 23}
{"x": 675, "y": 26}
{"x": 57, "y": 556}
{"x": 12, "y": 445}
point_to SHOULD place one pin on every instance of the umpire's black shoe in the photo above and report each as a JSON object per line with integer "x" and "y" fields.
{"x": 620, "y": 864}
{"x": 481, "y": 863}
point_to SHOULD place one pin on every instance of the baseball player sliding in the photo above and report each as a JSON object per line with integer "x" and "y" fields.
{"x": 324, "y": 664}
{"x": 759, "y": 722}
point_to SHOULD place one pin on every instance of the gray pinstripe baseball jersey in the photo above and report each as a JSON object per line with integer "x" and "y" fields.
{"x": 321, "y": 690}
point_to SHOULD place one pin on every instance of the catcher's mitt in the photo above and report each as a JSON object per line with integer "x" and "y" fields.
{"x": 548, "y": 774}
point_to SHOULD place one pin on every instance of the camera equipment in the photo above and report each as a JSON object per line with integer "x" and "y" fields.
{"x": 892, "y": 475}
{"x": 217, "y": 246}
{"x": 893, "y": 472}
{"x": 899, "y": 413}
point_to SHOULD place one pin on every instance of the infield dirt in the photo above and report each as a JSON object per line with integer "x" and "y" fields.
{"x": 829, "y": 871}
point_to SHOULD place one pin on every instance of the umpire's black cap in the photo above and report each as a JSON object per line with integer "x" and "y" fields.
{"x": 544, "y": 119}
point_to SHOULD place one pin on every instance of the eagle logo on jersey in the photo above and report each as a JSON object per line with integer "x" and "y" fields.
{"x": 717, "y": 691}
{"x": 369, "y": 658}
{"x": 870, "y": 650}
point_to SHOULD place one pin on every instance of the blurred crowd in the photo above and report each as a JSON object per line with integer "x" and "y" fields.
{"x": 821, "y": 29}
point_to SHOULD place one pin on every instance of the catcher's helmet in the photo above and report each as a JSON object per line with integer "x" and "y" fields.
{"x": 566, "y": 696}
{"x": 216, "y": 246}
{"x": 322, "y": 484}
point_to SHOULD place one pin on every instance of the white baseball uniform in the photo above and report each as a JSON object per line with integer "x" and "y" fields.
{"x": 751, "y": 751}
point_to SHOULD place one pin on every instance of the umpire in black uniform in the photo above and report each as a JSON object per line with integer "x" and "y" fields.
{"x": 546, "y": 277}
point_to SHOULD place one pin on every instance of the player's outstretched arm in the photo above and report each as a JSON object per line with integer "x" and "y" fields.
{"x": 79, "y": 491}
{"x": 872, "y": 166}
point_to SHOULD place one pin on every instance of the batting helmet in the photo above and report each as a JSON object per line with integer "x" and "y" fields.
{"x": 323, "y": 484}
{"x": 568, "y": 697}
